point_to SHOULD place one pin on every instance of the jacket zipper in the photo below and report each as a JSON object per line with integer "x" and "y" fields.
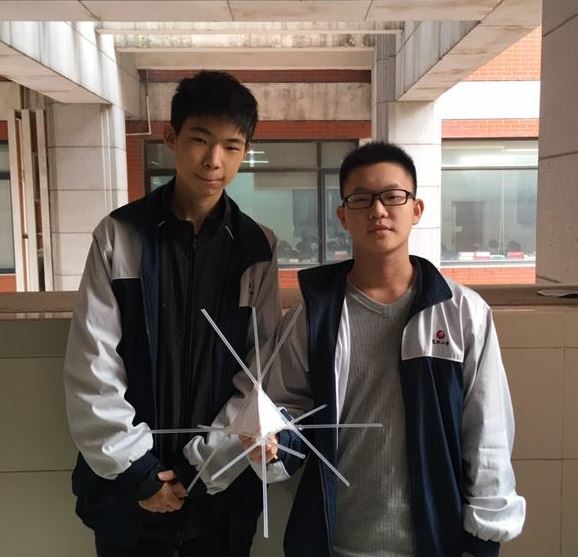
{"x": 189, "y": 328}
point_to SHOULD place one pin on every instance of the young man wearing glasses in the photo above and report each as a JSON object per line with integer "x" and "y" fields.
{"x": 386, "y": 338}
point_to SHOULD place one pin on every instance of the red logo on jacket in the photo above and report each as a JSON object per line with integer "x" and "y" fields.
{"x": 440, "y": 337}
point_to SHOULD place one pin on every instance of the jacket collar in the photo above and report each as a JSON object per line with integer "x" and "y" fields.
{"x": 149, "y": 212}
{"x": 329, "y": 282}
{"x": 431, "y": 287}
{"x": 154, "y": 209}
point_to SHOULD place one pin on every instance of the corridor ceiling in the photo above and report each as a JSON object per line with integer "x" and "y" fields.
{"x": 245, "y": 10}
{"x": 437, "y": 42}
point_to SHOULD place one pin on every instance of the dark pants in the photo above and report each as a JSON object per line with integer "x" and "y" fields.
{"x": 213, "y": 545}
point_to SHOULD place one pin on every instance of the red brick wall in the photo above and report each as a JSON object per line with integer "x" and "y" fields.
{"x": 519, "y": 62}
{"x": 7, "y": 283}
{"x": 491, "y": 275}
{"x": 491, "y": 128}
{"x": 268, "y": 76}
{"x": 288, "y": 278}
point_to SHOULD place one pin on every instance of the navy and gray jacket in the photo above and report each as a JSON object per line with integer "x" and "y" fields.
{"x": 458, "y": 416}
{"x": 111, "y": 362}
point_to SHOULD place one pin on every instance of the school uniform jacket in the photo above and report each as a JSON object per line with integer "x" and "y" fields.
{"x": 110, "y": 366}
{"x": 458, "y": 415}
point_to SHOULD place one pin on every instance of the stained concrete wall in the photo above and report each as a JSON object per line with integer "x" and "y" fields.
{"x": 9, "y": 98}
{"x": 287, "y": 101}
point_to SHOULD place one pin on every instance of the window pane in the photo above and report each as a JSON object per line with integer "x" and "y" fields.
{"x": 333, "y": 152}
{"x": 4, "y": 162}
{"x": 158, "y": 156}
{"x": 476, "y": 154}
{"x": 287, "y": 203}
{"x": 6, "y": 234}
{"x": 296, "y": 155}
{"x": 488, "y": 215}
{"x": 158, "y": 181}
{"x": 337, "y": 240}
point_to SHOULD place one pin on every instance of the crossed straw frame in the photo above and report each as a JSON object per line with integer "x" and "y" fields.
{"x": 263, "y": 439}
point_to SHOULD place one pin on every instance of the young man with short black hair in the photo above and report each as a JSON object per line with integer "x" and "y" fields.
{"x": 140, "y": 354}
{"x": 385, "y": 338}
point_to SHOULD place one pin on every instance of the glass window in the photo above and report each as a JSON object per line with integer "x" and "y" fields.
{"x": 484, "y": 154}
{"x": 158, "y": 156}
{"x": 159, "y": 180}
{"x": 262, "y": 155}
{"x": 6, "y": 229}
{"x": 4, "y": 162}
{"x": 286, "y": 202}
{"x": 333, "y": 152}
{"x": 6, "y": 232}
{"x": 337, "y": 240}
{"x": 489, "y": 192}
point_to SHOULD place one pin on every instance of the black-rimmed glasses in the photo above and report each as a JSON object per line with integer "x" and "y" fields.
{"x": 389, "y": 198}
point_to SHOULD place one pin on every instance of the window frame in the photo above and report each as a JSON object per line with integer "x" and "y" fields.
{"x": 474, "y": 264}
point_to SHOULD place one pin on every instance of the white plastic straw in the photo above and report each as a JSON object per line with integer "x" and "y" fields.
{"x": 257, "y": 348}
{"x": 228, "y": 345}
{"x": 200, "y": 429}
{"x": 286, "y": 449}
{"x": 204, "y": 466}
{"x": 234, "y": 461}
{"x": 335, "y": 426}
{"x": 282, "y": 340}
{"x": 264, "y": 484}
{"x": 307, "y": 414}
{"x": 325, "y": 461}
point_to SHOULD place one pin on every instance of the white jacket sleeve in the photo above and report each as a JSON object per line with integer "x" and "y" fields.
{"x": 99, "y": 416}
{"x": 493, "y": 510}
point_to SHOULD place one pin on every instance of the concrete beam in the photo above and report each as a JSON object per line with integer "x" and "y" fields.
{"x": 67, "y": 62}
{"x": 253, "y": 59}
{"x": 433, "y": 57}
{"x": 250, "y": 28}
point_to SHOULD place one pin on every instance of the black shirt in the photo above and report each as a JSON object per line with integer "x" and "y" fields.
{"x": 193, "y": 272}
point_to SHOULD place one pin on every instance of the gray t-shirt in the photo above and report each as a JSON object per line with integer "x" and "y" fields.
{"x": 374, "y": 513}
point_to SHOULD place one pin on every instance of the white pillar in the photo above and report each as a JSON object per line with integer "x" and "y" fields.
{"x": 557, "y": 222}
{"x": 88, "y": 179}
{"x": 416, "y": 127}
